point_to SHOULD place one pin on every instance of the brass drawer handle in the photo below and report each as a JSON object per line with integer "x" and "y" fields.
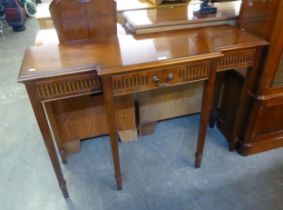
{"x": 156, "y": 79}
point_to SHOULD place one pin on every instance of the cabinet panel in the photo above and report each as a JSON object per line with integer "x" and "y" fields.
{"x": 278, "y": 80}
{"x": 265, "y": 127}
{"x": 258, "y": 17}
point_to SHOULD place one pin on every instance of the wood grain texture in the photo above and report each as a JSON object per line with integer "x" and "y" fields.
{"x": 229, "y": 104}
{"x": 119, "y": 58}
{"x": 142, "y": 81}
{"x": 258, "y": 17}
{"x": 264, "y": 132}
{"x": 124, "y": 56}
{"x": 38, "y": 108}
{"x": 110, "y": 111}
{"x": 179, "y": 17}
{"x": 84, "y": 20}
{"x": 262, "y": 129}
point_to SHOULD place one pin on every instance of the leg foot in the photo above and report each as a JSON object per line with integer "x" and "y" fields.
{"x": 63, "y": 156}
{"x": 64, "y": 190}
{"x": 118, "y": 182}
{"x": 198, "y": 160}
{"x": 232, "y": 146}
{"x": 212, "y": 119}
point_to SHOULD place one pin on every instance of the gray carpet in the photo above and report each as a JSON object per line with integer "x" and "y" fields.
{"x": 158, "y": 172}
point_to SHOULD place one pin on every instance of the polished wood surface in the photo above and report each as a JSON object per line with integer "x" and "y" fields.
{"x": 258, "y": 17}
{"x": 70, "y": 119}
{"x": 110, "y": 112}
{"x": 264, "y": 128}
{"x": 83, "y": 20}
{"x": 172, "y": 18}
{"x": 56, "y": 72}
{"x": 45, "y": 22}
{"x": 39, "y": 111}
{"x": 156, "y": 49}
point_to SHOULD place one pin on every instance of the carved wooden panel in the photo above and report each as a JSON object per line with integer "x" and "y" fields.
{"x": 265, "y": 126}
{"x": 236, "y": 59}
{"x": 65, "y": 86}
{"x": 160, "y": 77}
{"x": 194, "y": 71}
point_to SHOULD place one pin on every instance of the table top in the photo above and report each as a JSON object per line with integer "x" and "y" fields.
{"x": 127, "y": 52}
{"x": 166, "y": 16}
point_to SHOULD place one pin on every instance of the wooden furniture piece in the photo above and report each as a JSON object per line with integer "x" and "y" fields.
{"x": 189, "y": 98}
{"x": 82, "y": 68}
{"x": 71, "y": 118}
{"x": 74, "y": 119}
{"x": 83, "y": 20}
{"x": 225, "y": 112}
{"x": 45, "y": 22}
{"x": 160, "y": 104}
{"x": 179, "y": 17}
{"x": 263, "y": 127}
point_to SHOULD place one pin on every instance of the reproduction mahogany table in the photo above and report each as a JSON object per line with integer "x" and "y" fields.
{"x": 129, "y": 64}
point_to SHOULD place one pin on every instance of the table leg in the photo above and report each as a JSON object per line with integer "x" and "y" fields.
{"x": 207, "y": 101}
{"x": 252, "y": 73}
{"x": 243, "y": 104}
{"x": 110, "y": 111}
{"x": 38, "y": 108}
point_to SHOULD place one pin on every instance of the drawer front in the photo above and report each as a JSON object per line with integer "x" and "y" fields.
{"x": 236, "y": 59}
{"x": 68, "y": 85}
{"x": 160, "y": 77}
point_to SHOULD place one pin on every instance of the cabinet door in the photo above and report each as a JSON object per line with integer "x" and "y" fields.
{"x": 257, "y": 17}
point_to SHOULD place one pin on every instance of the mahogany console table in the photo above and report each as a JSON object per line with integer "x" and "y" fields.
{"x": 129, "y": 64}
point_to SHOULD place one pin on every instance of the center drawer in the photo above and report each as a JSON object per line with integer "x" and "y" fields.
{"x": 159, "y": 77}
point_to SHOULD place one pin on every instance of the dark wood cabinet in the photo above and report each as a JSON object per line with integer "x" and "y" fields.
{"x": 262, "y": 129}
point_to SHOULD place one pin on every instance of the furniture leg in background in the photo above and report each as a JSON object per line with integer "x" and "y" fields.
{"x": 249, "y": 83}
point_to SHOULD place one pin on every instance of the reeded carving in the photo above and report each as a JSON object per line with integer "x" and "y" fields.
{"x": 194, "y": 71}
{"x": 133, "y": 81}
{"x": 140, "y": 81}
{"x": 236, "y": 59}
{"x": 65, "y": 87}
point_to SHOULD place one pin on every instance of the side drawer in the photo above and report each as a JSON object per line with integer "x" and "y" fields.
{"x": 159, "y": 77}
{"x": 236, "y": 59}
{"x": 68, "y": 85}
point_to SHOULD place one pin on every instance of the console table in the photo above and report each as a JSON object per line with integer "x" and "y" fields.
{"x": 129, "y": 64}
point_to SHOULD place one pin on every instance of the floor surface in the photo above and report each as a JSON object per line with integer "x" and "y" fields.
{"x": 158, "y": 172}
